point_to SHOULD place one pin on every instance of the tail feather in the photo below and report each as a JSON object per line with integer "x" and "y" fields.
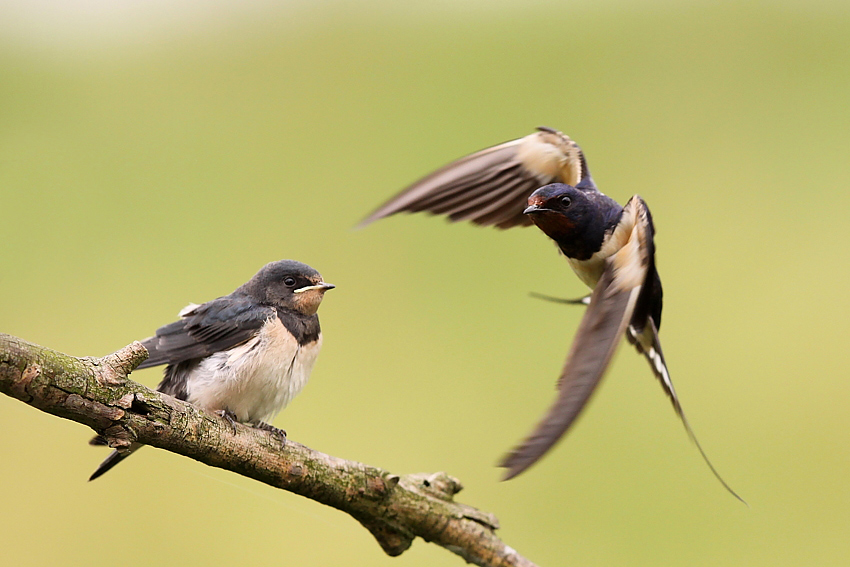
{"x": 647, "y": 343}
{"x": 114, "y": 457}
{"x": 577, "y": 301}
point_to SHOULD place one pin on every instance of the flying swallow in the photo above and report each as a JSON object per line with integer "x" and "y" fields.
{"x": 543, "y": 179}
{"x": 243, "y": 355}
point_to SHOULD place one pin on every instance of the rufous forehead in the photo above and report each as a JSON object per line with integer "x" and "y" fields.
{"x": 536, "y": 200}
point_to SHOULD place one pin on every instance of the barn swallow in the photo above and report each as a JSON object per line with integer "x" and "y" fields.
{"x": 612, "y": 250}
{"x": 543, "y": 179}
{"x": 245, "y": 355}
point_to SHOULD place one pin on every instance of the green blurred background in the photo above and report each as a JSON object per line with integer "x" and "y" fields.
{"x": 152, "y": 155}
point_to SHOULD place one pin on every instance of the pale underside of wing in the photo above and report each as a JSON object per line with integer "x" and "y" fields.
{"x": 491, "y": 187}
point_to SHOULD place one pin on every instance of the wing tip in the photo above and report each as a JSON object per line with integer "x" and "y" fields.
{"x": 364, "y": 223}
{"x": 509, "y": 474}
{"x": 516, "y": 463}
{"x": 376, "y": 215}
{"x": 150, "y": 363}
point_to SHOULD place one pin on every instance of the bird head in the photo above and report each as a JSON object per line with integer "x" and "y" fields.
{"x": 561, "y": 211}
{"x": 290, "y": 285}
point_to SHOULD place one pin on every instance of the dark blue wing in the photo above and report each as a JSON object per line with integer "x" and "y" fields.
{"x": 217, "y": 325}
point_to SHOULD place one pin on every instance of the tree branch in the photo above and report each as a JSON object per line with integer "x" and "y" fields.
{"x": 395, "y": 509}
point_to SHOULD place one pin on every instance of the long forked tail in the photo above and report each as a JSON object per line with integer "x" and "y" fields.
{"x": 648, "y": 344}
{"x": 705, "y": 457}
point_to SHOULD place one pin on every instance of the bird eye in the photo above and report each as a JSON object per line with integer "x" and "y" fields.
{"x": 566, "y": 201}
{"x": 289, "y": 281}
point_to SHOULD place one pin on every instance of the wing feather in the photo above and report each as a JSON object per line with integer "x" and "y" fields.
{"x": 211, "y": 327}
{"x": 596, "y": 340}
{"x": 470, "y": 186}
{"x": 606, "y": 319}
{"x": 479, "y": 180}
{"x": 480, "y": 189}
{"x": 493, "y": 200}
{"x": 445, "y": 178}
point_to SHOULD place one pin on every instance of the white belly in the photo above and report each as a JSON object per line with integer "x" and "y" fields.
{"x": 256, "y": 379}
{"x": 588, "y": 271}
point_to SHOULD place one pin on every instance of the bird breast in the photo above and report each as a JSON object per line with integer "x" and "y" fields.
{"x": 622, "y": 235}
{"x": 588, "y": 271}
{"x": 256, "y": 379}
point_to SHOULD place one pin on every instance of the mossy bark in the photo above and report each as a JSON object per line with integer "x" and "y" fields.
{"x": 395, "y": 509}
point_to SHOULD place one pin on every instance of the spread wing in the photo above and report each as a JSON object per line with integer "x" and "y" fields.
{"x": 491, "y": 187}
{"x": 611, "y": 306}
{"x": 217, "y": 325}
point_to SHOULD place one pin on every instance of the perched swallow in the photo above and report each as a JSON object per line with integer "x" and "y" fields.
{"x": 244, "y": 355}
{"x": 543, "y": 178}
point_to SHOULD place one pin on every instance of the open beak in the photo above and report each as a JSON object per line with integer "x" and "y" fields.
{"x": 322, "y": 286}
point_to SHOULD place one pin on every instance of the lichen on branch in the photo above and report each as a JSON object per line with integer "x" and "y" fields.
{"x": 395, "y": 509}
